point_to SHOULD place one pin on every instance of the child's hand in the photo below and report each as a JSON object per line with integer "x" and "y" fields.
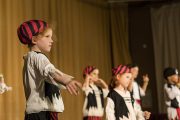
{"x": 73, "y": 87}
{"x": 98, "y": 81}
{"x": 88, "y": 77}
{"x": 147, "y": 115}
{"x": 145, "y": 78}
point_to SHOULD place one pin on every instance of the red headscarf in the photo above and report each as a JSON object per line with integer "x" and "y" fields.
{"x": 120, "y": 69}
{"x": 88, "y": 70}
{"x": 30, "y": 28}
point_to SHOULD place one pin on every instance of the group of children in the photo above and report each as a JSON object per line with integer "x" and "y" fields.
{"x": 43, "y": 83}
{"x": 120, "y": 105}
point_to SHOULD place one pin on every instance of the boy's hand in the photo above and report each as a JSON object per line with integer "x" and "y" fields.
{"x": 73, "y": 87}
{"x": 147, "y": 115}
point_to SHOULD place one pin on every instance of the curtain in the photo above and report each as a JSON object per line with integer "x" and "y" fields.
{"x": 81, "y": 37}
{"x": 166, "y": 37}
{"x": 119, "y": 34}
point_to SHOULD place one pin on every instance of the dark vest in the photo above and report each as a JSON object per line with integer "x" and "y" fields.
{"x": 120, "y": 107}
{"x": 91, "y": 99}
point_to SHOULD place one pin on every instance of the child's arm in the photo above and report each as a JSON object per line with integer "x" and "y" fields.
{"x": 102, "y": 83}
{"x": 86, "y": 82}
{"x": 145, "y": 82}
{"x": 46, "y": 69}
{"x": 147, "y": 115}
{"x": 71, "y": 85}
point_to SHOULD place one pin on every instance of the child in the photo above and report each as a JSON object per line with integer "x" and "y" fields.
{"x": 136, "y": 90}
{"x": 119, "y": 102}
{"x": 3, "y": 86}
{"x": 95, "y": 91}
{"x": 39, "y": 73}
{"x": 173, "y": 93}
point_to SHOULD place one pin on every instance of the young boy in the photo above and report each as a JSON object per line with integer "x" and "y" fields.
{"x": 173, "y": 93}
{"x": 39, "y": 73}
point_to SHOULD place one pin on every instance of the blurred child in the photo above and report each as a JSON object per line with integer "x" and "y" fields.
{"x": 119, "y": 101}
{"x": 137, "y": 91}
{"x": 3, "y": 86}
{"x": 172, "y": 92}
{"x": 95, "y": 91}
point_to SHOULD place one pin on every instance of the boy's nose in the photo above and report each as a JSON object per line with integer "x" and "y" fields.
{"x": 51, "y": 41}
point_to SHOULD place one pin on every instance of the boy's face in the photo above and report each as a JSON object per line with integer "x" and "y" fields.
{"x": 124, "y": 79}
{"x": 94, "y": 75}
{"x": 44, "y": 42}
{"x": 173, "y": 78}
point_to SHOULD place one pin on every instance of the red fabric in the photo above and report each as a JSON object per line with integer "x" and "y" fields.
{"x": 93, "y": 118}
{"x": 178, "y": 112}
{"x": 138, "y": 101}
{"x": 88, "y": 70}
{"x": 120, "y": 69}
{"x": 30, "y": 28}
{"x": 53, "y": 116}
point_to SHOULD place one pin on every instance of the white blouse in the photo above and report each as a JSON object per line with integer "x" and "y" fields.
{"x": 93, "y": 111}
{"x": 110, "y": 113}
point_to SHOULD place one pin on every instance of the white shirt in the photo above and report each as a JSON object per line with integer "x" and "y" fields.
{"x": 172, "y": 92}
{"x": 99, "y": 111}
{"x": 110, "y": 113}
{"x": 137, "y": 91}
{"x": 37, "y": 69}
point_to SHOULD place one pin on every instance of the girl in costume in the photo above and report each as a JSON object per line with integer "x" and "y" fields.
{"x": 95, "y": 90}
{"x": 119, "y": 101}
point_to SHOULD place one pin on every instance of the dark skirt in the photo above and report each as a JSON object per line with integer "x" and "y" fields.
{"x": 43, "y": 115}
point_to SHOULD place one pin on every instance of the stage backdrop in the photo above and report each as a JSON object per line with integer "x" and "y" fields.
{"x": 82, "y": 37}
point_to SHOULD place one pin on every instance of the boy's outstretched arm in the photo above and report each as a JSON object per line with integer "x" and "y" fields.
{"x": 67, "y": 80}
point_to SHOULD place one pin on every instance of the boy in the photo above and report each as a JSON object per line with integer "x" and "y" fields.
{"x": 39, "y": 74}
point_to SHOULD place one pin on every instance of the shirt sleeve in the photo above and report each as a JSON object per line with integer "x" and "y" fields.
{"x": 110, "y": 113}
{"x": 43, "y": 65}
{"x": 142, "y": 92}
{"x": 87, "y": 90}
{"x": 46, "y": 69}
{"x": 105, "y": 92}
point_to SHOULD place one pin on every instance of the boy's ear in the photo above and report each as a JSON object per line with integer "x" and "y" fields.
{"x": 34, "y": 39}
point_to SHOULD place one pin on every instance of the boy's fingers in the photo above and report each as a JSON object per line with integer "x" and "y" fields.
{"x": 72, "y": 91}
{"x": 73, "y": 88}
{"x": 79, "y": 84}
{"x": 69, "y": 90}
